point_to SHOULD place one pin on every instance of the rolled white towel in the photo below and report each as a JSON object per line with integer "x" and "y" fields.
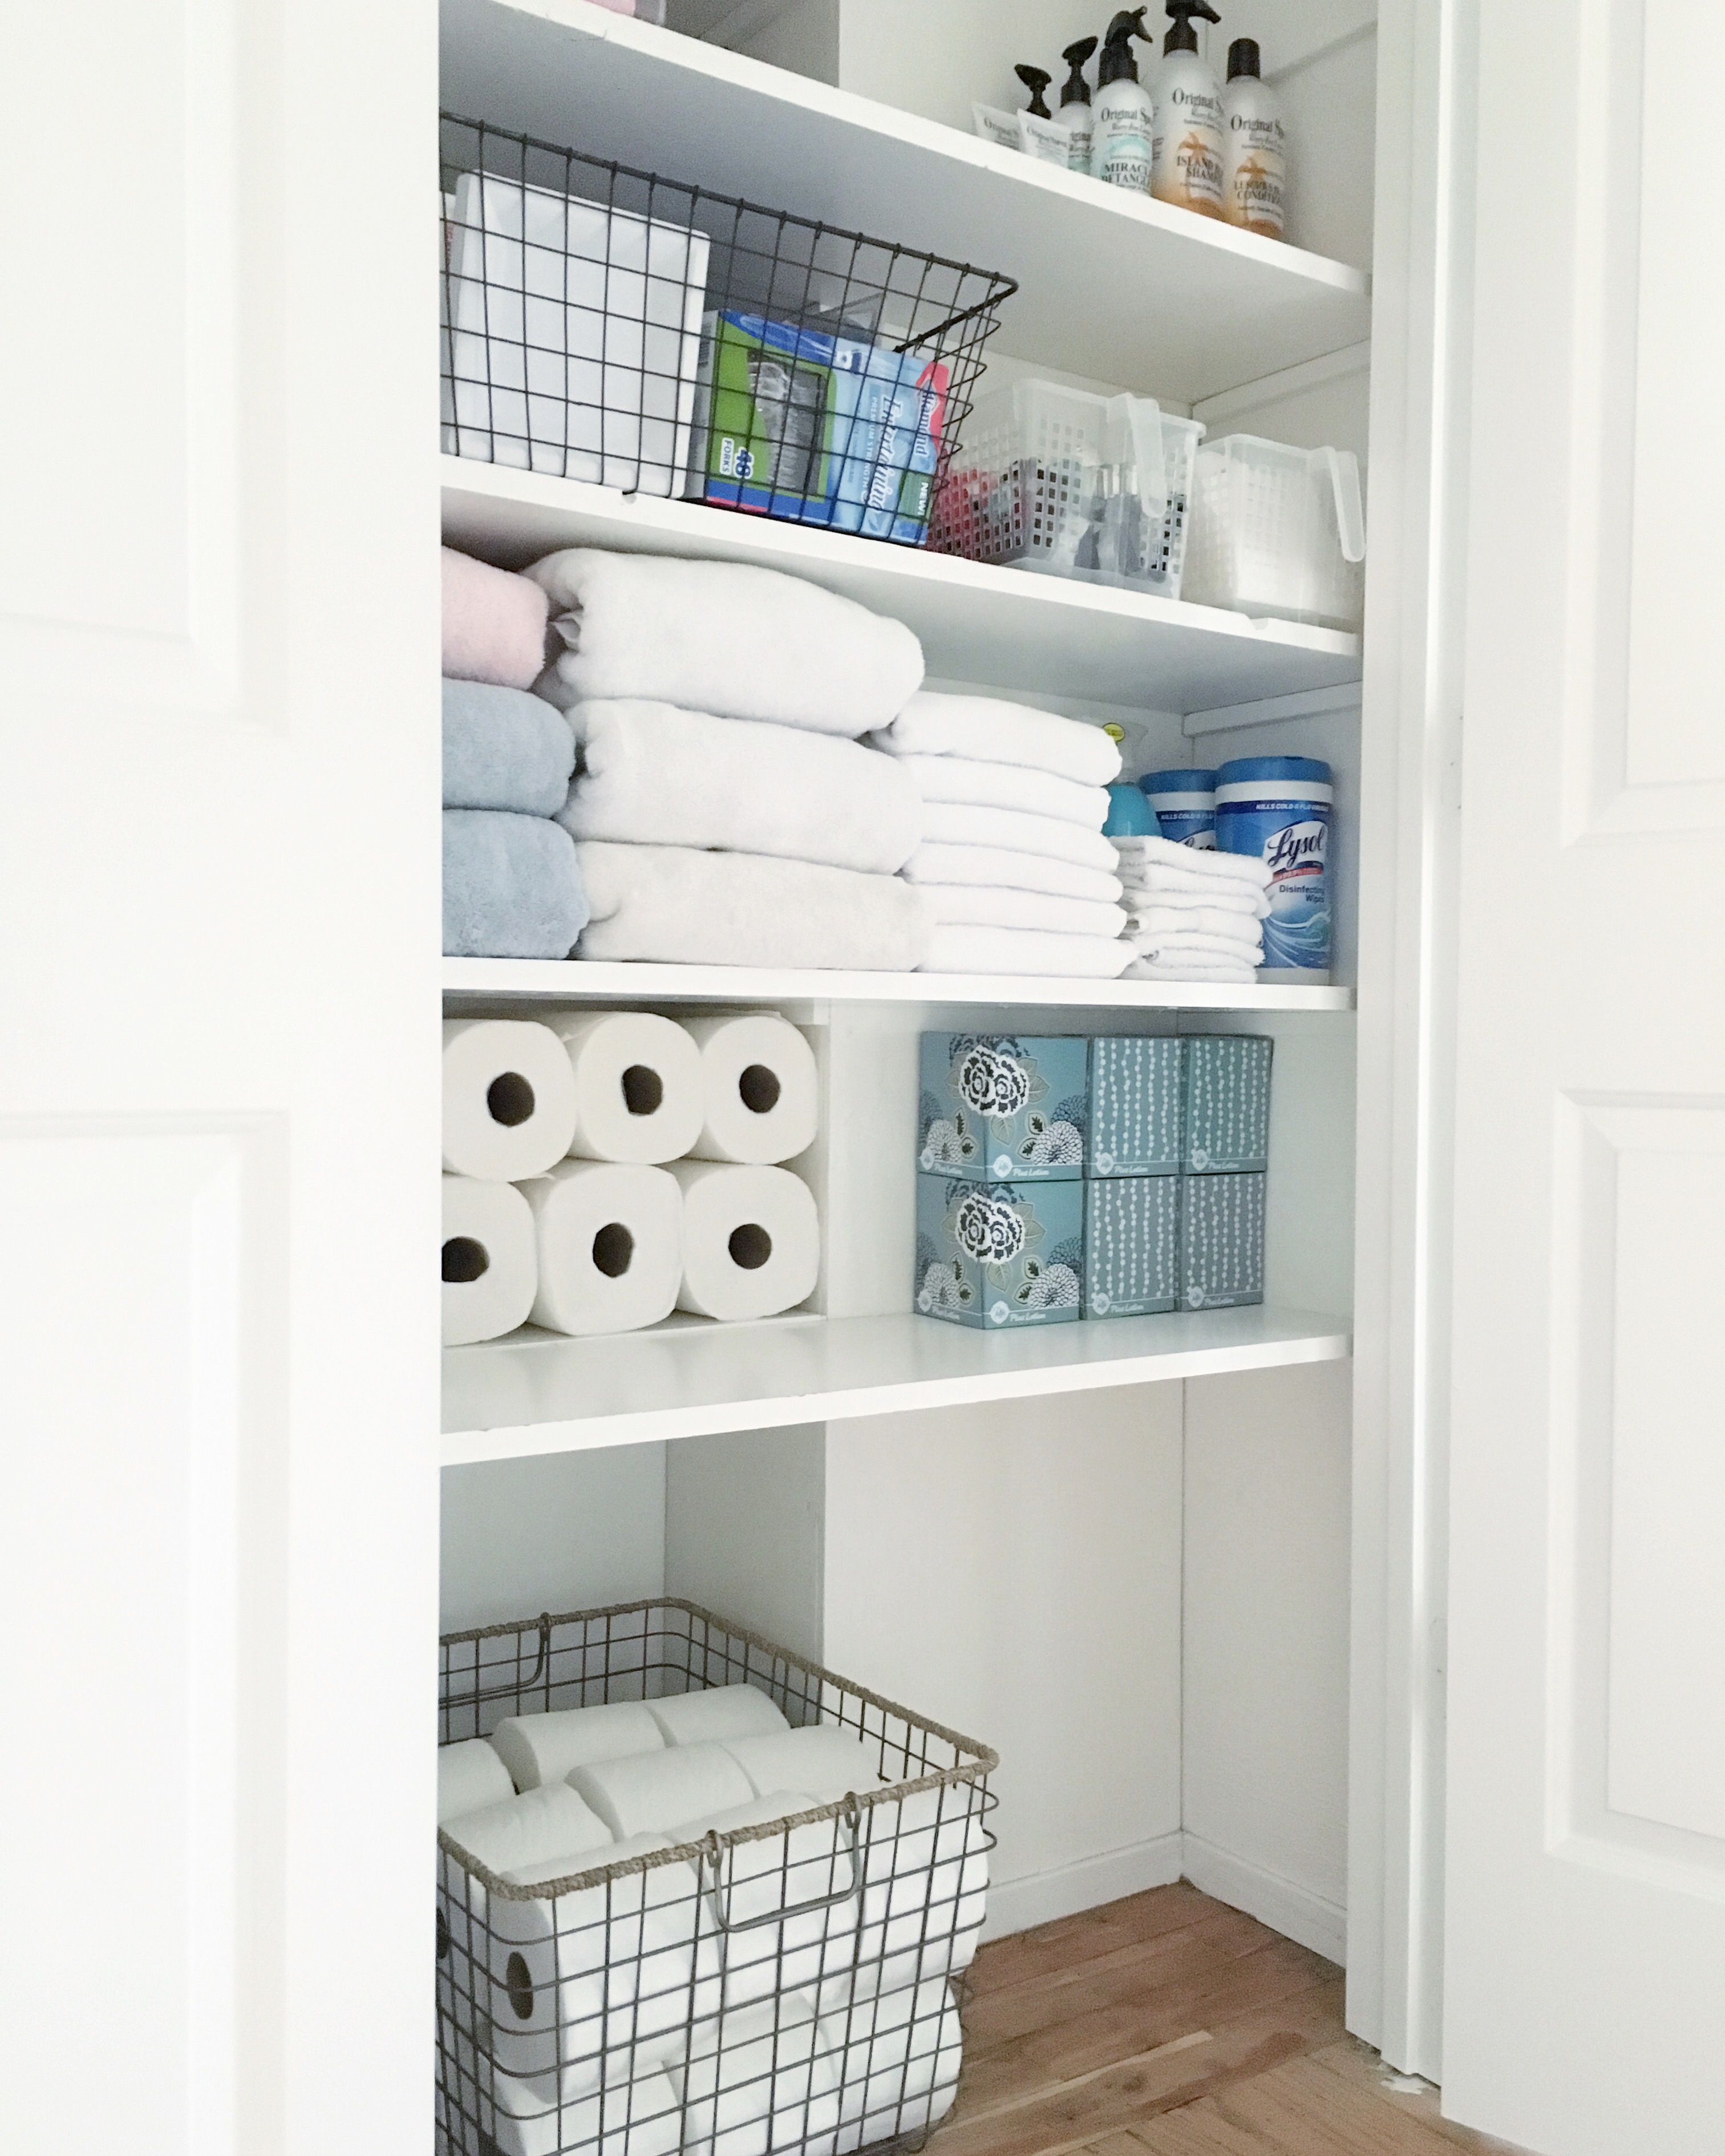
{"x": 1001, "y": 869}
{"x": 720, "y": 637}
{"x": 1017, "y": 831}
{"x": 469, "y": 1776}
{"x": 822, "y": 1758}
{"x": 1006, "y": 786}
{"x": 539, "y": 1748}
{"x": 959, "y": 949}
{"x": 658, "y": 1790}
{"x": 933, "y": 723}
{"x": 716, "y": 1715}
{"x": 534, "y": 1828}
{"x": 650, "y": 774}
{"x": 984, "y": 906}
{"x": 682, "y": 906}
{"x": 1143, "y": 857}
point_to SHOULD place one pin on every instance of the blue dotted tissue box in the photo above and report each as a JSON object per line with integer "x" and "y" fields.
{"x": 998, "y": 1255}
{"x": 1131, "y": 1245}
{"x": 1227, "y": 1104}
{"x": 1137, "y": 1089}
{"x": 1221, "y": 1240}
{"x": 1002, "y": 1108}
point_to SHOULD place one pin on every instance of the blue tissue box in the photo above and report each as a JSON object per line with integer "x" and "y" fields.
{"x": 1002, "y": 1108}
{"x": 998, "y": 1255}
{"x": 1136, "y": 1105}
{"x": 1227, "y": 1104}
{"x": 1221, "y": 1240}
{"x": 1131, "y": 1245}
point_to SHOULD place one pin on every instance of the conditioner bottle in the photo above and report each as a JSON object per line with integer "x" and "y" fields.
{"x": 1120, "y": 148}
{"x": 1254, "y": 148}
{"x": 1186, "y": 131}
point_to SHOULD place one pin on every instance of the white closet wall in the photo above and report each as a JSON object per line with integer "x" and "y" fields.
{"x": 573, "y": 1530}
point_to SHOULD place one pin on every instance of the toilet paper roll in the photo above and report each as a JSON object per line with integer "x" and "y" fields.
{"x": 760, "y": 1100}
{"x": 826, "y": 1761}
{"x": 469, "y": 1776}
{"x": 639, "y": 1093}
{"x": 716, "y": 1715}
{"x": 658, "y": 1790}
{"x": 536, "y": 2117}
{"x": 750, "y": 1239}
{"x": 509, "y": 1098}
{"x": 534, "y": 1828}
{"x": 899, "y": 2060}
{"x": 811, "y": 1872}
{"x": 757, "y": 2081}
{"x": 543, "y": 1747}
{"x": 610, "y": 1245}
{"x": 490, "y": 1272}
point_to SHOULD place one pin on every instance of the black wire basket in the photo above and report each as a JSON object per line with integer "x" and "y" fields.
{"x": 794, "y": 1986}
{"x": 604, "y": 324}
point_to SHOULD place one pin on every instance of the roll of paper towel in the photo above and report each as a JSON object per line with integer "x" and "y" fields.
{"x": 490, "y": 1273}
{"x": 750, "y": 1239}
{"x": 543, "y": 1747}
{"x": 509, "y": 1098}
{"x": 758, "y": 2079}
{"x": 534, "y": 1828}
{"x": 824, "y": 1759}
{"x": 639, "y": 1093}
{"x": 537, "y": 2116}
{"x": 716, "y": 1715}
{"x": 469, "y": 1776}
{"x": 658, "y": 1790}
{"x": 761, "y": 1101}
{"x": 610, "y": 1245}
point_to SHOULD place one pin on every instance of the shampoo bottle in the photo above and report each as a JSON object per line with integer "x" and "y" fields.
{"x": 1186, "y": 166}
{"x": 1075, "y": 113}
{"x": 1254, "y": 149}
{"x": 1120, "y": 147}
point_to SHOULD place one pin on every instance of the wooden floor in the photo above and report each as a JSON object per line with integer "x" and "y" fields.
{"x": 1169, "y": 2025}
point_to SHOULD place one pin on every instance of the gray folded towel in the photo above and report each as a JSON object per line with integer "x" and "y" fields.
{"x": 512, "y": 886}
{"x": 504, "y": 749}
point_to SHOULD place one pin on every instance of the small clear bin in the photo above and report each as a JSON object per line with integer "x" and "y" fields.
{"x": 1278, "y": 531}
{"x": 1072, "y": 484}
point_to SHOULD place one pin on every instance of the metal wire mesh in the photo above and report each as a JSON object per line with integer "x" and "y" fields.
{"x": 794, "y": 1986}
{"x": 604, "y": 324}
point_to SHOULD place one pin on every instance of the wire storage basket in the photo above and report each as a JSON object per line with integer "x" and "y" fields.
{"x": 792, "y": 1984}
{"x": 605, "y": 324}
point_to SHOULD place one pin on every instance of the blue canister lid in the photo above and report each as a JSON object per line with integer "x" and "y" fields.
{"x": 1130, "y": 815}
{"x": 1243, "y": 769}
{"x": 1179, "y": 782}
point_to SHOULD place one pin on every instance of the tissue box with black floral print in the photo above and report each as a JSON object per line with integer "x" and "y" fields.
{"x": 1002, "y": 1107}
{"x": 998, "y": 1255}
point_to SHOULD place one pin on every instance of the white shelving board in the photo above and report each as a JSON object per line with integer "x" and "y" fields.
{"x": 565, "y": 980}
{"x": 999, "y": 627}
{"x": 1113, "y": 285}
{"x": 538, "y": 1392}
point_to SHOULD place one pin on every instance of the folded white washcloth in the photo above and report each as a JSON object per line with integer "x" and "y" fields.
{"x": 933, "y": 723}
{"x": 986, "y": 905}
{"x": 1202, "y": 950}
{"x": 1143, "y": 857}
{"x": 718, "y": 636}
{"x": 1007, "y": 786}
{"x": 1245, "y": 903}
{"x": 1001, "y": 869}
{"x": 653, "y": 775}
{"x": 956, "y": 949}
{"x": 1187, "y": 969}
{"x": 1234, "y": 932}
{"x": 960, "y": 824}
{"x": 681, "y": 906}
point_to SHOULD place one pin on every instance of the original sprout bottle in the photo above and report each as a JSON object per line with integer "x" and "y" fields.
{"x": 1253, "y": 147}
{"x": 1186, "y": 166}
{"x": 1120, "y": 147}
{"x": 1075, "y": 113}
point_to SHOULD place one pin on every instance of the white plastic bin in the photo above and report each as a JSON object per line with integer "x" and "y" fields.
{"x": 1277, "y": 530}
{"x": 1072, "y": 483}
{"x": 573, "y": 335}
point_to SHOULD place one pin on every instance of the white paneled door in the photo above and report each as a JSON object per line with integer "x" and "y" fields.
{"x": 218, "y": 1108}
{"x": 1585, "y": 1982}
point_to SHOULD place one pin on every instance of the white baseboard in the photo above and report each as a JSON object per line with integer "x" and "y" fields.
{"x": 1294, "y": 1912}
{"x": 1018, "y": 1905}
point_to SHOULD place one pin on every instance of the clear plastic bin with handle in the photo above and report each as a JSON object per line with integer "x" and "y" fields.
{"x": 1278, "y": 531}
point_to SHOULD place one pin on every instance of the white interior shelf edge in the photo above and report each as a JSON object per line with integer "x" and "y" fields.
{"x": 540, "y": 1393}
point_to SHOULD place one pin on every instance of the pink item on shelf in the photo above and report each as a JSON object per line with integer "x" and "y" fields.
{"x": 494, "y": 623}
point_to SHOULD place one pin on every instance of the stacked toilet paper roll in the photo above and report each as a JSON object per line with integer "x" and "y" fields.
{"x": 760, "y": 1098}
{"x": 750, "y": 1239}
{"x": 509, "y": 1099}
{"x": 489, "y": 1271}
{"x": 609, "y": 1240}
{"x": 637, "y": 1082}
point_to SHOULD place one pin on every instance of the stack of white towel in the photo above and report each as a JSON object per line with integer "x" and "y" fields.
{"x": 1195, "y": 914}
{"x": 1012, "y": 866}
{"x": 723, "y": 809}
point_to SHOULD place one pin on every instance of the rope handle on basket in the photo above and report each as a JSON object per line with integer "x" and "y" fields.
{"x": 712, "y": 1853}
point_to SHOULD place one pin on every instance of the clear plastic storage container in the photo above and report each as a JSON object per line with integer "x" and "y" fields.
{"x": 1277, "y": 530}
{"x": 1072, "y": 484}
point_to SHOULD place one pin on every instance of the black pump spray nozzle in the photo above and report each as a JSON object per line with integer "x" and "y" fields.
{"x": 1118, "y": 61}
{"x": 1077, "y": 90}
{"x": 1036, "y": 80}
{"x": 1183, "y": 37}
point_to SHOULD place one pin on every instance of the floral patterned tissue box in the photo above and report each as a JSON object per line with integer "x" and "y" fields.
{"x": 998, "y": 1255}
{"x": 1002, "y": 1108}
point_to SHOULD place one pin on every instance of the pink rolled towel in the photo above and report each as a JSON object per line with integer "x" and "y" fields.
{"x": 494, "y": 623}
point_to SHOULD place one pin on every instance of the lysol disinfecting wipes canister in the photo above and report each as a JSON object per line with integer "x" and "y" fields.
{"x": 1277, "y": 807}
{"x": 1185, "y": 805}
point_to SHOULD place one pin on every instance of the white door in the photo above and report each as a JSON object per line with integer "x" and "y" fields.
{"x": 217, "y": 1114}
{"x": 1584, "y": 2008}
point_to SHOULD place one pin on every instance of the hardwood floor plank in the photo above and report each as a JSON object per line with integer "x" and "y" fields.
{"x": 1064, "y": 1946}
{"x": 1361, "y": 2067}
{"x": 1303, "y": 2110}
{"x": 1200, "y": 2129}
